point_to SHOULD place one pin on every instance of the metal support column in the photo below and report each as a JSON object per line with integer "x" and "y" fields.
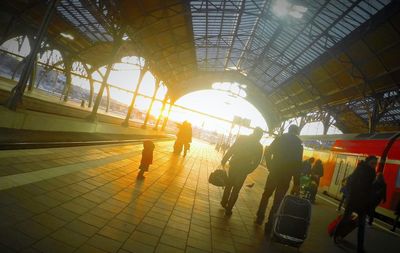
{"x": 108, "y": 97}
{"x": 68, "y": 80}
{"x": 93, "y": 115}
{"x": 161, "y": 112}
{"x": 18, "y": 91}
{"x": 131, "y": 106}
{"x": 157, "y": 86}
{"x": 303, "y": 122}
{"x": 373, "y": 117}
{"x": 114, "y": 54}
{"x": 32, "y": 78}
{"x": 91, "y": 91}
{"x": 165, "y": 122}
{"x": 326, "y": 122}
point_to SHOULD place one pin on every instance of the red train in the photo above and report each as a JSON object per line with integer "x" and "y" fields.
{"x": 341, "y": 153}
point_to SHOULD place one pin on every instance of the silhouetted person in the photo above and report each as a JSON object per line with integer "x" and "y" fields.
{"x": 344, "y": 189}
{"x": 317, "y": 171}
{"x": 184, "y": 138}
{"x": 359, "y": 199}
{"x": 378, "y": 195}
{"x": 306, "y": 166}
{"x": 397, "y": 213}
{"x": 147, "y": 158}
{"x": 284, "y": 162}
{"x": 244, "y": 156}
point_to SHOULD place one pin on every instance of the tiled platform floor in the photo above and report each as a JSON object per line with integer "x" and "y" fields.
{"x": 87, "y": 199}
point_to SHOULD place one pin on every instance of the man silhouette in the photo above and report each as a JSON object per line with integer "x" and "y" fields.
{"x": 245, "y": 156}
{"x": 284, "y": 162}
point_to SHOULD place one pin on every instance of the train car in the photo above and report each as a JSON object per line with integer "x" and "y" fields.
{"x": 341, "y": 153}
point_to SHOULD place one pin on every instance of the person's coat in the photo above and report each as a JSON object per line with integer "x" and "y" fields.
{"x": 360, "y": 188}
{"x": 147, "y": 153}
{"x": 245, "y": 155}
{"x": 378, "y": 192}
{"x": 284, "y": 156}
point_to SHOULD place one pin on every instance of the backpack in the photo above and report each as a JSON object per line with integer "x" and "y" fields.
{"x": 218, "y": 178}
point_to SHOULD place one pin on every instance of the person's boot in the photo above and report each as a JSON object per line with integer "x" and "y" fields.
{"x": 228, "y": 212}
{"x": 140, "y": 175}
{"x": 223, "y": 204}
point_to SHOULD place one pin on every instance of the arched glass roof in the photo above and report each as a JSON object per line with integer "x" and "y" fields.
{"x": 271, "y": 40}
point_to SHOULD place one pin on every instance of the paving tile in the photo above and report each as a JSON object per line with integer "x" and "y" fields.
{"x": 105, "y": 243}
{"x": 33, "y": 229}
{"x": 49, "y": 221}
{"x": 162, "y": 248}
{"x": 15, "y": 239}
{"x": 27, "y": 250}
{"x": 174, "y": 241}
{"x": 137, "y": 247}
{"x": 225, "y": 247}
{"x": 181, "y": 226}
{"x": 114, "y": 233}
{"x": 102, "y": 213}
{"x": 145, "y": 238}
{"x": 59, "y": 196}
{"x": 33, "y": 206}
{"x": 46, "y": 200}
{"x": 93, "y": 220}
{"x": 82, "y": 228}
{"x": 122, "y": 225}
{"x": 154, "y": 222}
{"x": 86, "y": 248}
{"x": 195, "y": 250}
{"x": 76, "y": 208}
{"x": 150, "y": 229}
{"x": 50, "y": 245}
{"x": 199, "y": 244}
{"x": 5, "y": 249}
{"x": 69, "y": 237}
{"x": 62, "y": 213}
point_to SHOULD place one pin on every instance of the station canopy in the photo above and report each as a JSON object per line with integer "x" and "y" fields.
{"x": 295, "y": 56}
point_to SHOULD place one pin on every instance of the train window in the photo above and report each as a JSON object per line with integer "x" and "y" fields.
{"x": 337, "y": 175}
{"x": 398, "y": 178}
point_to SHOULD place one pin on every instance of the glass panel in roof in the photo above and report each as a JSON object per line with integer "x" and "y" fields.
{"x": 300, "y": 40}
{"x": 80, "y": 17}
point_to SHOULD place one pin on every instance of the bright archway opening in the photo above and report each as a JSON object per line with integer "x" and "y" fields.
{"x": 213, "y": 113}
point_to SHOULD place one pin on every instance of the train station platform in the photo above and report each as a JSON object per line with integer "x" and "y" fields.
{"x": 87, "y": 199}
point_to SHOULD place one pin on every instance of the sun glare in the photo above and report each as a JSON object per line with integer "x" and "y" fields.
{"x": 222, "y": 106}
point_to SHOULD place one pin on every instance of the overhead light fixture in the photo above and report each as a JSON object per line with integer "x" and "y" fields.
{"x": 285, "y": 7}
{"x": 231, "y": 68}
{"x": 67, "y": 36}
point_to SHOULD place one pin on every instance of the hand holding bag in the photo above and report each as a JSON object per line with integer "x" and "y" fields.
{"x": 218, "y": 177}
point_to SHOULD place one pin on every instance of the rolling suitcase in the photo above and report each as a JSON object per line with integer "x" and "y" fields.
{"x": 345, "y": 229}
{"x": 292, "y": 221}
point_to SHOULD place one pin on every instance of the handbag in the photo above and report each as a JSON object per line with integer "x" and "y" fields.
{"x": 218, "y": 178}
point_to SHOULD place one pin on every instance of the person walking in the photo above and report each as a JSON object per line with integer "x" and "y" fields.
{"x": 317, "y": 171}
{"x": 184, "y": 138}
{"x": 306, "y": 166}
{"x": 244, "y": 157}
{"x": 147, "y": 158}
{"x": 378, "y": 196}
{"x": 359, "y": 199}
{"x": 284, "y": 162}
{"x": 344, "y": 189}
